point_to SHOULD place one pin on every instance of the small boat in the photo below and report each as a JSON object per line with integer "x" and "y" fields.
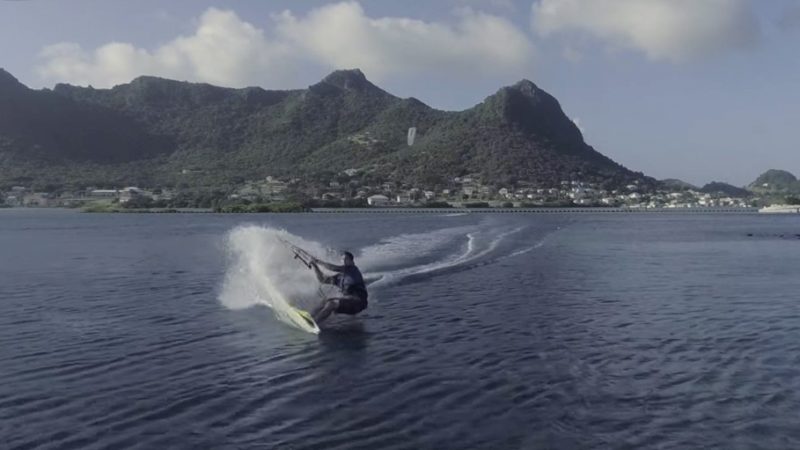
{"x": 780, "y": 209}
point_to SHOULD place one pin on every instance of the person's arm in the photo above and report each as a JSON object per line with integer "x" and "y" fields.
{"x": 320, "y": 277}
{"x": 333, "y": 279}
{"x": 329, "y": 266}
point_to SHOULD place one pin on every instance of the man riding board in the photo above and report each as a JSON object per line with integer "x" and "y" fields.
{"x": 348, "y": 279}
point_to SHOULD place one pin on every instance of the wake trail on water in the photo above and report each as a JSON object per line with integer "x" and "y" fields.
{"x": 528, "y": 249}
{"x": 455, "y": 249}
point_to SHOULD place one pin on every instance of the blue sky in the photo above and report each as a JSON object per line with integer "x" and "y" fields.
{"x": 694, "y": 89}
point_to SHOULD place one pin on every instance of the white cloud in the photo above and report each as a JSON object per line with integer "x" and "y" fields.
{"x": 506, "y": 5}
{"x": 341, "y": 35}
{"x": 571, "y": 54}
{"x": 228, "y": 51}
{"x": 665, "y": 30}
{"x": 223, "y": 50}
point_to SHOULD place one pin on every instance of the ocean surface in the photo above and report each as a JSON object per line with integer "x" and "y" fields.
{"x": 484, "y": 331}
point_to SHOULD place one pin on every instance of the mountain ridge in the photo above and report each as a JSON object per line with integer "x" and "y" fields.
{"x": 157, "y": 127}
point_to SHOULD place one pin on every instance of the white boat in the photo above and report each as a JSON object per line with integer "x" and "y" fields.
{"x": 780, "y": 209}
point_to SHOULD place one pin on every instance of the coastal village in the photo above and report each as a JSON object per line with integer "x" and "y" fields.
{"x": 347, "y": 190}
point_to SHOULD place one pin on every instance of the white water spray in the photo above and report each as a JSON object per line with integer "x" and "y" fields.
{"x": 262, "y": 271}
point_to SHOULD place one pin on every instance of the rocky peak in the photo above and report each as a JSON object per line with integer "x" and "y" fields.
{"x": 533, "y": 111}
{"x": 526, "y": 87}
{"x": 6, "y": 79}
{"x": 345, "y": 81}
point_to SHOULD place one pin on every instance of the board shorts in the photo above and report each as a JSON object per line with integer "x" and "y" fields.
{"x": 352, "y": 303}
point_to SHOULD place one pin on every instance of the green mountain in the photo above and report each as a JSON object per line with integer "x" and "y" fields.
{"x": 718, "y": 187}
{"x": 775, "y": 181}
{"x": 161, "y": 132}
{"x": 676, "y": 185}
{"x": 43, "y": 126}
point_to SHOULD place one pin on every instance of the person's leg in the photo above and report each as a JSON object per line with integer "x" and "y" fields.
{"x": 328, "y": 307}
{"x": 319, "y": 307}
{"x": 351, "y": 305}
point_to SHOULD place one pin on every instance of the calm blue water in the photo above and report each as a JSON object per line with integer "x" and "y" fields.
{"x": 484, "y": 331}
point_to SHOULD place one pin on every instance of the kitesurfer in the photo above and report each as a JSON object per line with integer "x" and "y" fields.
{"x": 353, "y": 292}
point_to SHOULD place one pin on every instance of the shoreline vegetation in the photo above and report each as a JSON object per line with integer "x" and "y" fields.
{"x": 454, "y": 209}
{"x": 226, "y": 209}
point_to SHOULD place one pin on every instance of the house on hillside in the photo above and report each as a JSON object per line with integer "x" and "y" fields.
{"x": 377, "y": 200}
{"x": 41, "y": 199}
{"x": 13, "y": 200}
{"x": 404, "y": 198}
{"x": 130, "y": 193}
{"x": 274, "y": 187}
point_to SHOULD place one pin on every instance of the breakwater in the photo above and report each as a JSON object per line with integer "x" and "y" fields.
{"x": 543, "y": 210}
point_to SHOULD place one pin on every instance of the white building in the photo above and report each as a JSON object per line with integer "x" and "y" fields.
{"x": 37, "y": 199}
{"x": 103, "y": 193}
{"x": 275, "y": 187}
{"x": 129, "y": 193}
{"x": 577, "y": 193}
{"x": 378, "y": 200}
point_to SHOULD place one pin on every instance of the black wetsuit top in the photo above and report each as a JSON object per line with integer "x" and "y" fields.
{"x": 352, "y": 285}
{"x": 351, "y": 282}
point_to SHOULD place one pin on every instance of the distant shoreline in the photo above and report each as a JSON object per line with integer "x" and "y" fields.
{"x": 408, "y": 210}
{"x": 542, "y": 210}
{"x": 404, "y": 210}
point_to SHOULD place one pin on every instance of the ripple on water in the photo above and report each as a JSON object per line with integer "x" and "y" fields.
{"x": 648, "y": 332}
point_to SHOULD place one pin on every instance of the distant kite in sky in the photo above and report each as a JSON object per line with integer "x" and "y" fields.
{"x": 412, "y": 134}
